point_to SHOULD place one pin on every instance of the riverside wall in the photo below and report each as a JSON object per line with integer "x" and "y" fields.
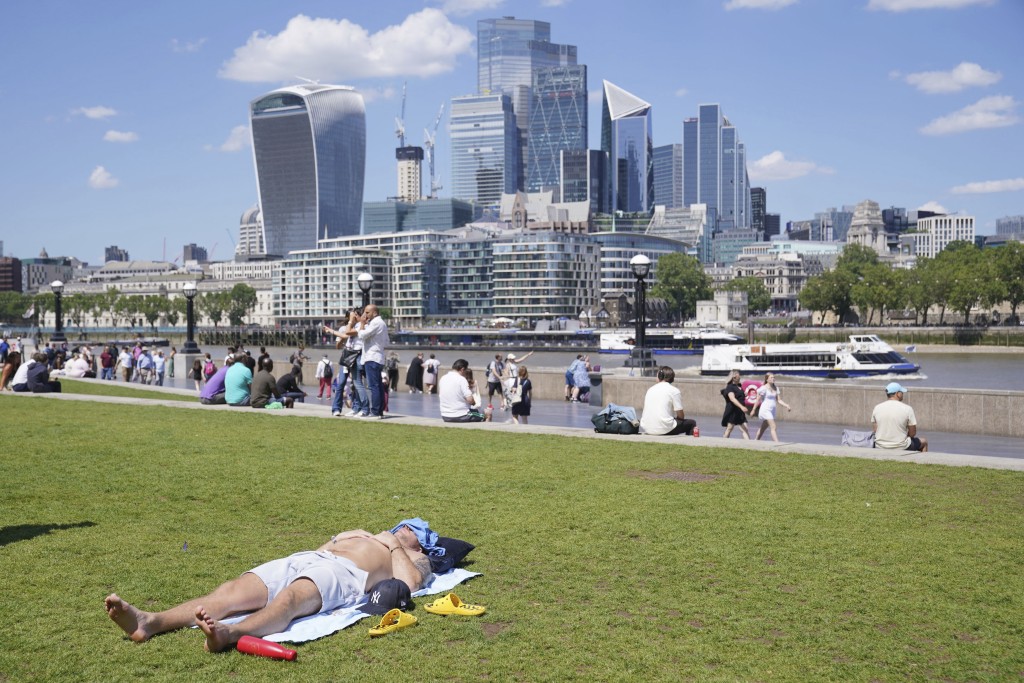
{"x": 966, "y": 411}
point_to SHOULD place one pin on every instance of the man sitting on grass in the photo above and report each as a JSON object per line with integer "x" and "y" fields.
{"x": 280, "y": 591}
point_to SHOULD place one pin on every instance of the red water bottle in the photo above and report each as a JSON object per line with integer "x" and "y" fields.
{"x": 696, "y": 431}
{"x": 251, "y": 645}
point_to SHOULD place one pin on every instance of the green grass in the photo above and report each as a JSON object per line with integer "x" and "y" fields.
{"x": 599, "y": 561}
{"x": 70, "y": 386}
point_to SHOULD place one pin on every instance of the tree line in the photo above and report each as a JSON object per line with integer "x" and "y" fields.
{"x": 958, "y": 279}
{"x": 82, "y": 309}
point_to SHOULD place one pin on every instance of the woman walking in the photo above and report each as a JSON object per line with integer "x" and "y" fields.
{"x": 196, "y": 373}
{"x": 768, "y": 398}
{"x": 735, "y": 414}
{"x": 521, "y": 410}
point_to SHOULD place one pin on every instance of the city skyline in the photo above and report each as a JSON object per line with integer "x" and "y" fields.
{"x": 135, "y": 130}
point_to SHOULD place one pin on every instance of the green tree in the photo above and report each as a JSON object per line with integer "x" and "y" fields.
{"x": 242, "y": 301}
{"x": 44, "y": 302}
{"x": 758, "y": 297}
{"x": 108, "y": 302}
{"x": 857, "y": 259}
{"x": 174, "y": 309}
{"x": 921, "y": 290}
{"x": 129, "y": 307}
{"x": 74, "y": 307}
{"x": 1009, "y": 268}
{"x": 968, "y": 275}
{"x": 13, "y": 306}
{"x": 682, "y": 282}
{"x": 152, "y": 307}
{"x": 212, "y": 305}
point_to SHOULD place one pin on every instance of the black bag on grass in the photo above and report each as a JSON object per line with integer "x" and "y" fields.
{"x": 616, "y": 420}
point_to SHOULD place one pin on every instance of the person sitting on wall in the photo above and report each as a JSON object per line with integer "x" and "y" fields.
{"x": 663, "y": 408}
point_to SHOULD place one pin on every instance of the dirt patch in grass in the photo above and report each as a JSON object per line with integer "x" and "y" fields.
{"x": 492, "y": 630}
{"x": 675, "y": 475}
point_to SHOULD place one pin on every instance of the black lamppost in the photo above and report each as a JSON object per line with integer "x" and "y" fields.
{"x": 641, "y": 266}
{"x": 58, "y": 325}
{"x": 190, "y": 319}
{"x": 365, "y": 282}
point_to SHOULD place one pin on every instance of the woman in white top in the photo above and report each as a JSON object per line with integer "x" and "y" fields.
{"x": 768, "y": 395}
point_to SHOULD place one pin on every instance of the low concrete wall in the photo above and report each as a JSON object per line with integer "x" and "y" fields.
{"x": 967, "y": 411}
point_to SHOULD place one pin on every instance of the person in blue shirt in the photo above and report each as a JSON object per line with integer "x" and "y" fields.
{"x": 238, "y": 381}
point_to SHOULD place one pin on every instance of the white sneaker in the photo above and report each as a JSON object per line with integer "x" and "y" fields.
{"x": 336, "y": 413}
{"x": 350, "y": 413}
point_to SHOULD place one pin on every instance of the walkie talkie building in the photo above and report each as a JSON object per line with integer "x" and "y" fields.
{"x": 309, "y": 147}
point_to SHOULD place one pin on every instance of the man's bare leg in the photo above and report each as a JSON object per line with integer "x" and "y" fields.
{"x": 299, "y": 599}
{"x": 246, "y": 593}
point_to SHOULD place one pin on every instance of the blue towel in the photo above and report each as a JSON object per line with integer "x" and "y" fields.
{"x": 426, "y": 537}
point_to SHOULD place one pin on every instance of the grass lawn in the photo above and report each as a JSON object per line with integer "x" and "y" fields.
{"x": 599, "y": 562}
{"x": 70, "y": 386}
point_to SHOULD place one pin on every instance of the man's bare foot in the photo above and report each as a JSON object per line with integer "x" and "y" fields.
{"x": 218, "y": 636}
{"x": 132, "y": 620}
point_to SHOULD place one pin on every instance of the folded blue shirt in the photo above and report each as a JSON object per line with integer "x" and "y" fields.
{"x": 426, "y": 537}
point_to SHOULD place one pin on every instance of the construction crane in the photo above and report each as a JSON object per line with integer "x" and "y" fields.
{"x": 400, "y": 121}
{"x": 429, "y": 138}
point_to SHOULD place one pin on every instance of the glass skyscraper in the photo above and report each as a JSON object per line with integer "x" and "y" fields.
{"x": 485, "y": 162}
{"x": 309, "y": 145}
{"x": 509, "y": 50}
{"x": 626, "y": 137}
{"x": 668, "y": 176}
{"x": 715, "y": 167}
{"x": 558, "y": 123}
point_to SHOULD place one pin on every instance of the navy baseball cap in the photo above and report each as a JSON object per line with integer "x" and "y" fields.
{"x": 387, "y": 595}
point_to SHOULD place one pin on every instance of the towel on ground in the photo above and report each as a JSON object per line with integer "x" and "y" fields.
{"x": 325, "y": 623}
{"x": 424, "y": 534}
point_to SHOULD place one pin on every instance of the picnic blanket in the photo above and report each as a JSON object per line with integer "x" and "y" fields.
{"x": 325, "y": 623}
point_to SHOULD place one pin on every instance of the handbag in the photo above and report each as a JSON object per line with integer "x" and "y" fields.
{"x": 349, "y": 357}
{"x": 514, "y": 394}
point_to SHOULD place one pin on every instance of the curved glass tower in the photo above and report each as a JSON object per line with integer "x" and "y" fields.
{"x": 309, "y": 146}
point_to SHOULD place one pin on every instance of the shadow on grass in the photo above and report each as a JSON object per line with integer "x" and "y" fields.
{"x": 24, "y": 532}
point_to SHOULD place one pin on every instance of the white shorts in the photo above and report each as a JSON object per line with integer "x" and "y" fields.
{"x": 339, "y": 581}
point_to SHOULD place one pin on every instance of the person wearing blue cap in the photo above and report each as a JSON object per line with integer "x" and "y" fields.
{"x": 895, "y": 424}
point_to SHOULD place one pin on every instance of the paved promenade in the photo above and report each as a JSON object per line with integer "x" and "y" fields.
{"x": 573, "y": 420}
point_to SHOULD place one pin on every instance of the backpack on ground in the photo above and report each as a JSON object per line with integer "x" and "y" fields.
{"x": 615, "y": 419}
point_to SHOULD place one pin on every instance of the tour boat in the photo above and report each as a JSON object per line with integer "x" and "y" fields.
{"x": 662, "y": 342}
{"x": 864, "y": 355}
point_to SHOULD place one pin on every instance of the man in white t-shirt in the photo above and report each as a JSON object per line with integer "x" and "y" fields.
{"x": 895, "y": 424}
{"x": 457, "y": 401}
{"x": 663, "y": 408}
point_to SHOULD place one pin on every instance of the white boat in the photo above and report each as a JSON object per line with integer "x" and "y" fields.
{"x": 661, "y": 342}
{"x": 863, "y": 356}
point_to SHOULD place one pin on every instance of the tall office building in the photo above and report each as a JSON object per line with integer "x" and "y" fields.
{"x": 758, "y": 208}
{"x": 1010, "y": 225}
{"x": 509, "y": 51}
{"x": 410, "y": 173}
{"x": 626, "y": 137}
{"x": 715, "y": 167}
{"x": 485, "y": 162}
{"x": 668, "y": 176}
{"x": 558, "y": 122}
{"x": 309, "y": 144}
{"x": 115, "y": 253}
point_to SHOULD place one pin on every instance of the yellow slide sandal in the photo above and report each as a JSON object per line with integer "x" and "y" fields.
{"x": 392, "y": 621}
{"x": 450, "y": 604}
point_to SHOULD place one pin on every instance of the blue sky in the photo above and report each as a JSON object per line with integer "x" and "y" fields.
{"x": 125, "y": 122}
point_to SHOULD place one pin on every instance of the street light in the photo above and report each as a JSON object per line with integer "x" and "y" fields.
{"x": 58, "y": 326}
{"x": 641, "y": 267}
{"x": 190, "y": 319}
{"x": 365, "y": 282}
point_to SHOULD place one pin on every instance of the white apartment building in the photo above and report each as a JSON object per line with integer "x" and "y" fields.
{"x": 935, "y": 233}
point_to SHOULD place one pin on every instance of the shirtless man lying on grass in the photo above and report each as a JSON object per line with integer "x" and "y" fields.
{"x": 278, "y": 592}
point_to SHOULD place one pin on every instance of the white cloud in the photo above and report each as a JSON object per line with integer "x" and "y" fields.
{"x": 99, "y": 112}
{"x": 180, "y": 46}
{"x": 963, "y": 75}
{"x": 934, "y": 207}
{"x": 682, "y": 92}
{"x": 990, "y": 186}
{"x": 758, "y": 4}
{"x": 425, "y": 44}
{"x": 907, "y": 5}
{"x": 775, "y": 166}
{"x": 238, "y": 139}
{"x": 554, "y": 3}
{"x": 119, "y": 136}
{"x": 989, "y": 112}
{"x": 375, "y": 94}
{"x": 100, "y": 179}
{"x": 464, "y": 7}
